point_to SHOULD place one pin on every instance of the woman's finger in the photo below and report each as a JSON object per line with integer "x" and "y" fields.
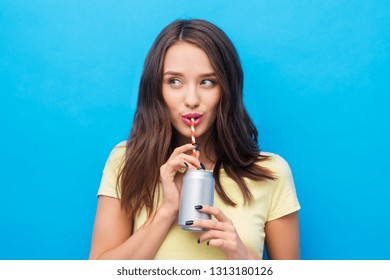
{"x": 215, "y": 234}
{"x": 220, "y": 243}
{"x": 216, "y": 212}
{"x": 183, "y": 160}
{"x": 194, "y": 163}
{"x": 212, "y": 224}
{"x": 182, "y": 149}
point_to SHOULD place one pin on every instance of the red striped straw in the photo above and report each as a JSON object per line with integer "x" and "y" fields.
{"x": 193, "y": 135}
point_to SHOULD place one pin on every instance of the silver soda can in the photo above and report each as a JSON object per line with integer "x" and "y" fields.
{"x": 197, "y": 189}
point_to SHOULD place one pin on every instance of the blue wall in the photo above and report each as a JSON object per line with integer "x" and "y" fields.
{"x": 315, "y": 85}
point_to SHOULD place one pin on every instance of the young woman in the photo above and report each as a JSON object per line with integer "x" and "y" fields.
{"x": 193, "y": 71}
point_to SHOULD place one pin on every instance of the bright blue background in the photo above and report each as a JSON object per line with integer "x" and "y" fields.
{"x": 316, "y": 85}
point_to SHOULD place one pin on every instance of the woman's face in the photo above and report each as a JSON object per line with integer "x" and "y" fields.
{"x": 190, "y": 89}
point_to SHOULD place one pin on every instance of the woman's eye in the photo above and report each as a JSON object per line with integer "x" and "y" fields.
{"x": 174, "y": 82}
{"x": 207, "y": 83}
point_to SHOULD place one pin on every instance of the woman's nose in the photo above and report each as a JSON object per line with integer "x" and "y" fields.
{"x": 191, "y": 98}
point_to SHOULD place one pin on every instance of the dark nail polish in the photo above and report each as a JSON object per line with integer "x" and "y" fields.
{"x": 198, "y": 207}
{"x": 208, "y": 243}
{"x": 188, "y": 223}
{"x": 202, "y": 165}
{"x": 197, "y": 149}
{"x": 196, "y": 144}
{"x": 185, "y": 164}
{"x": 198, "y": 240}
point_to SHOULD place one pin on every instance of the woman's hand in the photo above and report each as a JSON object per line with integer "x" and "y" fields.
{"x": 172, "y": 179}
{"x": 221, "y": 233}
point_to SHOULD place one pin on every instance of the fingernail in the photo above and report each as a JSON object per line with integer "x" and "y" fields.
{"x": 202, "y": 165}
{"x": 198, "y": 240}
{"x": 188, "y": 223}
{"x": 185, "y": 164}
{"x": 195, "y": 144}
{"x": 208, "y": 243}
{"x": 198, "y": 207}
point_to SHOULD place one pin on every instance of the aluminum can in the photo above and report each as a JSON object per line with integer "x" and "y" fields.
{"x": 197, "y": 189}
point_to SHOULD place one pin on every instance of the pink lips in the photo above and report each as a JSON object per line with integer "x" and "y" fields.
{"x": 186, "y": 118}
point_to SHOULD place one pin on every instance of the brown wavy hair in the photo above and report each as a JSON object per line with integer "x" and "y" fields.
{"x": 152, "y": 138}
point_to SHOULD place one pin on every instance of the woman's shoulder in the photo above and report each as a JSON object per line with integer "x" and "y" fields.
{"x": 274, "y": 162}
{"x": 119, "y": 148}
{"x": 121, "y": 144}
{"x": 117, "y": 153}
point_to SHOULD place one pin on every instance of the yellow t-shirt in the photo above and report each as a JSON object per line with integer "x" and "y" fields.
{"x": 272, "y": 199}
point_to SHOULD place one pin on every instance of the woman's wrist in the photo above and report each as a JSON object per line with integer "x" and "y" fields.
{"x": 251, "y": 255}
{"x": 169, "y": 211}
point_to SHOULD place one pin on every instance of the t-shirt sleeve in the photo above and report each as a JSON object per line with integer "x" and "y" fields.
{"x": 108, "y": 183}
{"x": 284, "y": 198}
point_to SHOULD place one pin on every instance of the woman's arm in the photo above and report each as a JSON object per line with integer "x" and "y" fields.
{"x": 112, "y": 237}
{"x": 282, "y": 238}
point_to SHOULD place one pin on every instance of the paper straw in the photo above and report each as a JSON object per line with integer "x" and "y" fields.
{"x": 193, "y": 135}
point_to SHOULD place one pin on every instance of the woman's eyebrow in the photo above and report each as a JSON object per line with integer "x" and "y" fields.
{"x": 174, "y": 73}
{"x": 211, "y": 74}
